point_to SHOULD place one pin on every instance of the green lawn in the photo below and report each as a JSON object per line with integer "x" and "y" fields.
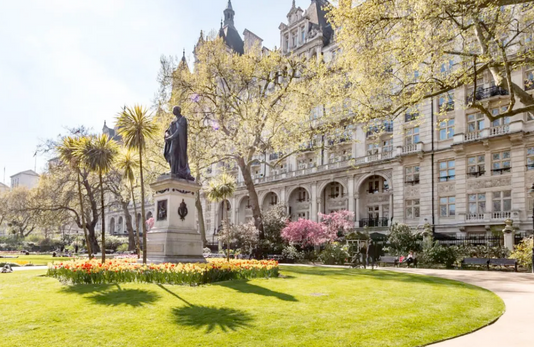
{"x": 34, "y": 259}
{"x": 308, "y": 307}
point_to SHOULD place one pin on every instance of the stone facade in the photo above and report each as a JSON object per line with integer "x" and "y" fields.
{"x": 445, "y": 164}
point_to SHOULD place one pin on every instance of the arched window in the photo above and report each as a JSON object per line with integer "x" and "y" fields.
{"x": 119, "y": 226}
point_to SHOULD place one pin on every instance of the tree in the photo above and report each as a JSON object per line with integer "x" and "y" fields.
{"x": 221, "y": 189}
{"x": 136, "y": 127}
{"x": 128, "y": 165}
{"x": 402, "y": 240}
{"x": 255, "y": 103}
{"x": 20, "y": 217}
{"x": 304, "y": 232}
{"x": 274, "y": 220}
{"x": 398, "y": 53}
{"x": 66, "y": 154}
{"x": 337, "y": 223}
{"x": 245, "y": 236}
{"x": 97, "y": 155}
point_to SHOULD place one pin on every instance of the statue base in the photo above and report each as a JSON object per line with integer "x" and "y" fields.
{"x": 174, "y": 237}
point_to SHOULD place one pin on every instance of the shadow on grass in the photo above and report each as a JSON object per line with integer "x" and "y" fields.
{"x": 244, "y": 286}
{"x": 118, "y": 297}
{"x": 210, "y": 317}
{"x": 379, "y": 275}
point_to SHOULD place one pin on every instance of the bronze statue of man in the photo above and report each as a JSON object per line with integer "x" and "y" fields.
{"x": 176, "y": 146}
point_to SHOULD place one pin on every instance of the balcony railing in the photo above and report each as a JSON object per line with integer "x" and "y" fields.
{"x": 411, "y": 148}
{"x": 474, "y": 216}
{"x": 501, "y": 171}
{"x": 485, "y": 93}
{"x": 373, "y": 222}
{"x": 499, "y": 130}
{"x": 476, "y": 173}
{"x": 491, "y": 216}
{"x": 501, "y": 215}
{"x": 473, "y": 135}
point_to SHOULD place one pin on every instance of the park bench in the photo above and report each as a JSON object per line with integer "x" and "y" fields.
{"x": 277, "y": 257}
{"x": 476, "y": 261}
{"x": 387, "y": 259}
{"x": 503, "y": 262}
{"x": 404, "y": 262}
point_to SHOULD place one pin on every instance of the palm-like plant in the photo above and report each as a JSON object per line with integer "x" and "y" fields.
{"x": 67, "y": 155}
{"x": 97, "y": 155}
{"x": 128, "y": 164}
{"x": 221, "y": 189}
{"x": 136, "y": 126}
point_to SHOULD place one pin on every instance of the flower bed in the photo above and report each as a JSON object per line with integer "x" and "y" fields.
{"x": 127, "y": 270}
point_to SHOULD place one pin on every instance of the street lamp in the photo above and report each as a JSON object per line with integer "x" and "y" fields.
{"x": 531, "y": 193}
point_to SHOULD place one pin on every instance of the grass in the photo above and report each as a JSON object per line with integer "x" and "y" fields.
{"x": 308, "y": 307}
{"x": 34, "y": 259}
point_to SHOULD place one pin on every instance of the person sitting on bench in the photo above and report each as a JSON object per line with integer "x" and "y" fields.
{"x": 410, "y": 259}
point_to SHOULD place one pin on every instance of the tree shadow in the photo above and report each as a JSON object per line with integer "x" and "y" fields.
{"x": 210, "y": 317}
{"x": 246, "y": 287}
{"x": 103, "y": 295}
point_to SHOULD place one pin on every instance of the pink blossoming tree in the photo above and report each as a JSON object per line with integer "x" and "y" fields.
{"x": 309, "y": 233}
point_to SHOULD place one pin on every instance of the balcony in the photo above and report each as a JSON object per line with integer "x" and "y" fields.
{"x": 377, "y": 129}
{"x": 412, "y": 148}
{"x": 473, "y": 135}
{"x": 486, "y": 93}
{"x": 499, "y": 130}
{"x": 373, "y": 222}
{"x": 492, "y": 217}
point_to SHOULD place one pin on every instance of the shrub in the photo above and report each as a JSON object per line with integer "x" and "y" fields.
{"x": 274, "y": 220}
{"x": 403, "y": 240}
{"x": 523, "y": 252}
{"x": 123, "y": 248}
{"x": 334, "y": 253}
{"x": 292, "y": 253}
{"x": 437, "y": 254}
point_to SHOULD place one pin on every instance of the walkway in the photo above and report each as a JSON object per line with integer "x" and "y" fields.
{"x": 516, "y": 327}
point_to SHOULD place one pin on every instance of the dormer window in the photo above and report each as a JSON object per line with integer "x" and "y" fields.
{"x": 294, "y": 39}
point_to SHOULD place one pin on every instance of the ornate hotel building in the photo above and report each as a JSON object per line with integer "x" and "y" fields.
{"x": 457, "y": 170}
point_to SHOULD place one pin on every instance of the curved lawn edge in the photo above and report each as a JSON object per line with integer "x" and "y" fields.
{"x": 393, "y": 271}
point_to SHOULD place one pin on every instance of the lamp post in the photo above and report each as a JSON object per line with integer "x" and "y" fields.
{"x": 531, "y": 193}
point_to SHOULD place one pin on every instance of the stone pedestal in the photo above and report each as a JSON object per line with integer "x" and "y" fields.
{"x": 508, "y": 232}
{"x": 174, "y": 237}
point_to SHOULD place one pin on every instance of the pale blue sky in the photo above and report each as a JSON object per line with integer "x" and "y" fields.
{"x": 65, "y": 63}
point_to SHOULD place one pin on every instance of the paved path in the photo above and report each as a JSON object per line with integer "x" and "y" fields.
{"x": 516, "y": 327}
{"x": 27, "y": 268}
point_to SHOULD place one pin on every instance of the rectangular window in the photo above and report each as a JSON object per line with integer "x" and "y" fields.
{"x": 477, "y": 204}
{"x": 410, "y": 116}
{"x": 502, "y": 201}
{"x": 446, "y": 129}
{"x": 447, "y": 206}
{"x": 302, "y": 34}
{"x": 475, "y": 122}
{"x": 412, "y": 209}
{"x": 412, "y": 174}
{"x": 476, "y": 165}
{"x": 500, "y": 163}
{"x": 530, "y": 158}
{"x": 446, "y": 102}
{"x": 412, "y": 136}
{"x": 447, "y": 171}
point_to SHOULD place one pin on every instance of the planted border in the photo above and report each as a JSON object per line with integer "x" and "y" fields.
{"x": 127, "y": 270}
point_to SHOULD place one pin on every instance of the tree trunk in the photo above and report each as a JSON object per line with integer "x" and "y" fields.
{"x": 93, "y": 242}
{"x": 143, "y": 215}
{"x": 227, "y": 229}
{"x": 253, "y": 196}
{"x": 137, "y": 221}
{"x": 82, "y": 212}
{"x": 129, "y": 226}
{"x": 102, "y": 213}
{"x": 200, "y": 213}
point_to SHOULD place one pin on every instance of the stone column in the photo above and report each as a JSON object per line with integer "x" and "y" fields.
{"x": 313, "y": 202}
{"x": 350, "y": 195}
{"x": 357, "y": 212}
{"x": 391, "y": 208}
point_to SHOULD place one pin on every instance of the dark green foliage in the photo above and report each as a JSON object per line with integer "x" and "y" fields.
{"x": 334, "y": 253}
{"x": 402, "y": 240}
{"x": 274, "y": 220}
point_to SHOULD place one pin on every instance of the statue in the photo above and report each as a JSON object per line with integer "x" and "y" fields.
{"x": 176, "y": 146}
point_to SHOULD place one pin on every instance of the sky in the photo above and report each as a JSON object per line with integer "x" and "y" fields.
{"x": 66, "y": 63}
